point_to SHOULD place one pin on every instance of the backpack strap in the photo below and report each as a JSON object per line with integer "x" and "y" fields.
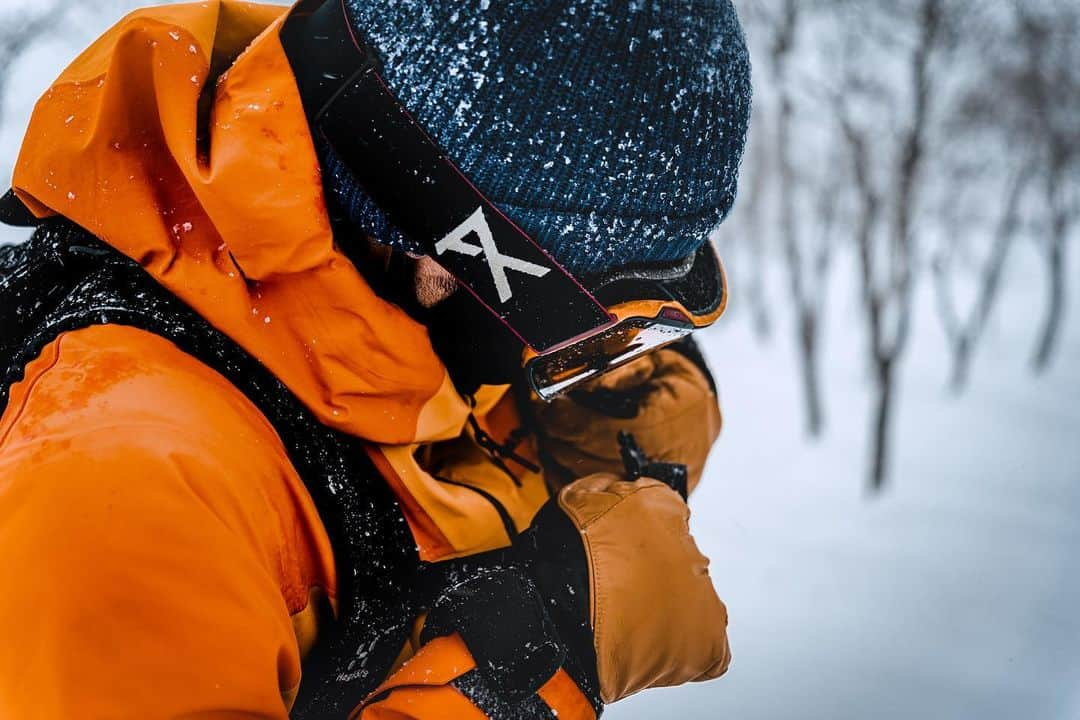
{"x": 14, "y": 212}
{"x": 65, "y": 279}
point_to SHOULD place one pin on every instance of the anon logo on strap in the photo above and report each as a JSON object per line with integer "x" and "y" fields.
{"x": 497, "y": 262}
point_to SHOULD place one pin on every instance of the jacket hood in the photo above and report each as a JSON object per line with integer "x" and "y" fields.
{"x": 216, "y": 192}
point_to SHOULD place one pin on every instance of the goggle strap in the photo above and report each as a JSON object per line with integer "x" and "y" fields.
{"x": 424, "y": 193}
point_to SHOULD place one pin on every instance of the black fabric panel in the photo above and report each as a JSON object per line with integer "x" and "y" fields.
{"x": 495, "y": 705}
{"x": 700, "y": 289}
{"x": 501, "y": 619}
{"x": 13, "y": 212}
{"x": 556, "y": 560}
{"x": 638, "y": 465}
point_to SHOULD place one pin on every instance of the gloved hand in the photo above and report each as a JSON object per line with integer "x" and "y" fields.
{"x": 664, "y": 399}
{"x": 626, "y": 587}
{"x": 606, "y": 585}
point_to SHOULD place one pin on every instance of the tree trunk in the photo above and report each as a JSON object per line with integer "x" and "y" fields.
{"x": 815, "y": 416}
{"x": 961, "y": 366}
{"x": 965, "y": 337}
{"x": 805, "y": 320}
{"x": 1055, "y": 307}
{"x": 1055, "y": 265}
{"x": 759, "y": 304}
{"x": 753, "y": 206}
{"x": 879, "y": 452}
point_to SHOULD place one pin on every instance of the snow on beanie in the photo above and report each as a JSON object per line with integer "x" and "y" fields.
{"x": 611, "y": 131}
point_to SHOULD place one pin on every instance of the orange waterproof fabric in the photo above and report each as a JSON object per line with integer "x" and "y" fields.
{"x": 155, "y": 537}
{"x": 232, "y": 222}
{"x": 229, "y": 216}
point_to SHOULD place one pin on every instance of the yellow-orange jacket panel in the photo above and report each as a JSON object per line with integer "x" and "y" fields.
{"x": 164, "y": 549}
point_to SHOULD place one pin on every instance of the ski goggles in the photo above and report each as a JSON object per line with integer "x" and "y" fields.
{"x": 573, "y": 328}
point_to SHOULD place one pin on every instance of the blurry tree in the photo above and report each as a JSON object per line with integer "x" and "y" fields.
{"x": 804, "y": 200}
{"x": 952, "y": 124}
{"x": 1046, "y": 88}
{"x": 1024, "y": 102}
{"x": 745, "y": 234}
{"x": 963, "y": 330}
{"x": 889, "y": 75}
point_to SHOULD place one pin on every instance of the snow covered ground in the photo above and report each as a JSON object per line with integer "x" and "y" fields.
{"x": 954, "y": 595}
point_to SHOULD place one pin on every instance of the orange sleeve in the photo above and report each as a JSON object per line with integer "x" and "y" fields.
{"x": 438, "y": 682}
{"x": 152, "y": 540}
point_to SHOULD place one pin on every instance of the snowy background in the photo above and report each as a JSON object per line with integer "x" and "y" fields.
{"x": 949, "y": 587}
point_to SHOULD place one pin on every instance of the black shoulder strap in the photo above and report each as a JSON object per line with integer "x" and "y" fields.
{"x": 65, "y": 279}
{"x": 14, "y": 212}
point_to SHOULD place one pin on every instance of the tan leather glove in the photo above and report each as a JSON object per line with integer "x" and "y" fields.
{"x": 663, "y": 399}
{"x": 648, "y": 615}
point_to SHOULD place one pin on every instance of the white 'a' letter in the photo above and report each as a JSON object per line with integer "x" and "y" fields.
{"x": 497, "y": 262}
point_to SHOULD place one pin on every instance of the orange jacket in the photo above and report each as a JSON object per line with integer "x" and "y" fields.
{"x": 166, "y": 551}
{"x": 165, "y": 558}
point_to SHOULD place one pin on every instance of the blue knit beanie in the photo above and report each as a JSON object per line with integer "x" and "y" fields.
{"x": 609, "y": 130}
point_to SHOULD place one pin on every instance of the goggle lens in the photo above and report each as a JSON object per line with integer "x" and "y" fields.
{"x": 557, "y": 372}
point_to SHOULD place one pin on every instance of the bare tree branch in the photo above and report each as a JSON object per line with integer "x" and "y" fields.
{"x": 963, "y": 334}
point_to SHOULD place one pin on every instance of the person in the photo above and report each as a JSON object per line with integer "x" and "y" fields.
{"x": 271, "y": 448}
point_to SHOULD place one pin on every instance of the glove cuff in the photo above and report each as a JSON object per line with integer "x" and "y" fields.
{"x": 523, "y": 613}
{"x": 500, "y": 616}
{"x": 555, "y": 557}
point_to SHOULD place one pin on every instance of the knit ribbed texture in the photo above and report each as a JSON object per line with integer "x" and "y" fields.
{"x": 609, "y": 131}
